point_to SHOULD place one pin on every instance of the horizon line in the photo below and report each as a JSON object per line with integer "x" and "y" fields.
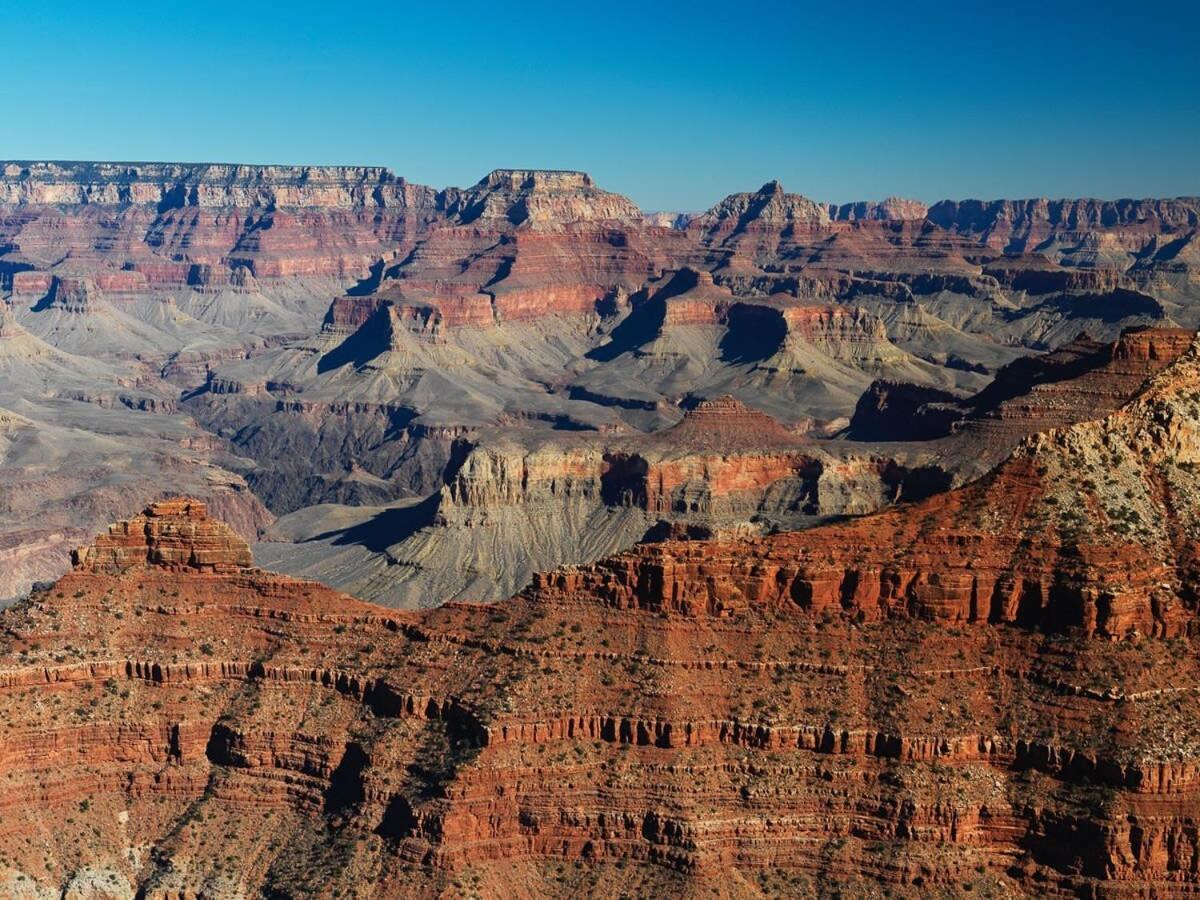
{"x": 574, "y": 171}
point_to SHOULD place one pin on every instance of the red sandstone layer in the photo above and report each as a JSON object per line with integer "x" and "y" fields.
{"x": 920, "y": 698}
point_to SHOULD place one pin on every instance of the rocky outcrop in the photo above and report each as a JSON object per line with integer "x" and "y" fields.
{"x": 82, "y": 294}
{"x": 1085, "y": 214}
{"x": 710, "y": 722}
{"x": 724, "y": 467}
{"x": 309, "y": 336}
{"x": 1037, "y": 275}
{"x": 178, "y": 185}
{"x": 539, "y": 198}
{"x": 514, "y": 503}
{"x": 770, "y": 205}
{"x": 1086, "y": 376}
{"x": 751, "y": 227}
{"x": 1057, "y": 538}
{"x": 1093, "y": 232}
{"x": 208, "y": 226}
{"x": 1082, "y": 380}
{"x": 171, "y": 534}
{"x": 891, "y": 209}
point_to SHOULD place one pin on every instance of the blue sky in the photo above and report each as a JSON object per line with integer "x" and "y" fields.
{"x": 674, "y": 104}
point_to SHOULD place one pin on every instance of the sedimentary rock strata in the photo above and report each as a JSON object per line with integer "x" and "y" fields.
{"x": 784, "y": 641}
{"x": 985, "y": 691}
{"x": 1081, "y": 380}
{"x": 1014, "y": 225}
{"x": 1086, "y": 528}
{"x": 312, "y": 341}
{"x": 170, "y": 534}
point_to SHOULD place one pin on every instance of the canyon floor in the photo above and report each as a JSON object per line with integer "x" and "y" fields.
{"x": 510, "y": 541}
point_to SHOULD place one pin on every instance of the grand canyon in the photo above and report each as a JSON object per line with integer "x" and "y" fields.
{"x": 364, "y": 539}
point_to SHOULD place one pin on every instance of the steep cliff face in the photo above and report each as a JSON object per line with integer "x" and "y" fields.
{"x": 718, "y": 464}
{"x": 796, "y": 358}
{"x": 197, "y": 730}
{"x": 770, "y": 205}
{"x": 294, "y": 336}
{"x": 515, "y": 501}
{"x": 539, "y": 198}
{"x": 514, "y": 504}
{"x": 747, "y": 228}
{"x": 172, "y": 185}
{"x": 1082, "y": 380}
{"x": 785, "y": 240}
{"x": 202, "y": 225}
{"x": 1084, "y": 214}
{"x": 1085, "y": 231}
{"x": 534, "y": 244}
{"x": 214, "y": 225}
{"x": 1089, "y": 528}
{"x": 723, "y": 468}
{"x": 891, "y": 209}
{"x": 396, "y": 372}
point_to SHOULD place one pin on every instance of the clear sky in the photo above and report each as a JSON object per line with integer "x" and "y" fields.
{"x": 674, "y": 104}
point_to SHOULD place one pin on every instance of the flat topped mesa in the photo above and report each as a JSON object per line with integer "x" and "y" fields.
{"x": 538, "y": 197}
{"x": 84, "y": 171}
{"x": 892, "y": 209}
{"x": 174, "y": 534}
{"x": 169, "y": 186}
{"x": 536, "y": 179}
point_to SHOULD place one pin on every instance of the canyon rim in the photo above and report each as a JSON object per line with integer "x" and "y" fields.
{"x": 773, "y": 472}
{"x": 837, "y": 549}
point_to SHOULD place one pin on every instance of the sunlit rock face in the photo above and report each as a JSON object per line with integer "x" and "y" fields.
{"x": 324, "y": 344}
{"x": 754, "y": 551}
{"x": 951, "y": 684}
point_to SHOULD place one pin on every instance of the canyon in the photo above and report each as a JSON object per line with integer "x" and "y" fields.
{"x": 986, "y": 691}
{"x": 510, "y": 540}
{"x": 369, "y": 378}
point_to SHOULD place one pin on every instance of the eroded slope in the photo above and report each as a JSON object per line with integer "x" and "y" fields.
{"x": 987, "y": 691}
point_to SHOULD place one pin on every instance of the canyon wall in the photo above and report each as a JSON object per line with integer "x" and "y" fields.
{"x": 932, "y": 698}
{"x": 331, "y": 343}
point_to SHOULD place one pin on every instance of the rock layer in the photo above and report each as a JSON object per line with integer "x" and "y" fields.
{"x": 312, "y": 339}
{"x": 173, "y": 534}
{"x": 1088, "y": 528}
{"x": 982, "y": 692}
